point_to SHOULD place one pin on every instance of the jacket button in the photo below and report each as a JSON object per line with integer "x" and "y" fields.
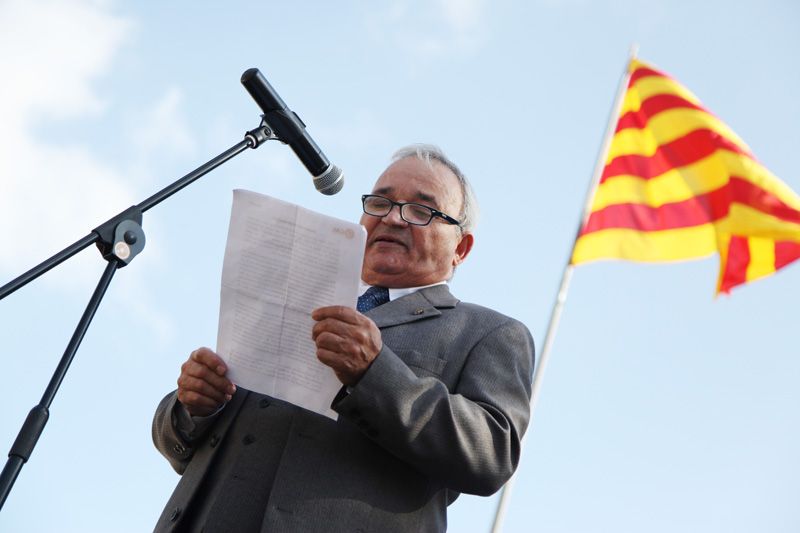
{"x": 175, "y": 514}
{"x": 179, "y": 449}
{"x": 248, "y": 439}
{"x": 214, "y": 440}
{"x": 263, "y": 402}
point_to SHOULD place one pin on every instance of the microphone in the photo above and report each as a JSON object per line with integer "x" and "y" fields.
{"x": 328, "y": 178}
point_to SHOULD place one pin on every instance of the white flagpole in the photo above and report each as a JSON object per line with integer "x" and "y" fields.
{"x": 566, "y": 277}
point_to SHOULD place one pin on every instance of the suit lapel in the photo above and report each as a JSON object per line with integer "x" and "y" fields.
{"x": 424, "y": 303}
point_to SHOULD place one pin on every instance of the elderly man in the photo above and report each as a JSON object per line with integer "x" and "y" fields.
{"x": 434, "y": 399}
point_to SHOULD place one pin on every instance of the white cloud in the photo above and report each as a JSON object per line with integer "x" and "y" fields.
{"x": 54, "y": 192}
{"x": 463, "y": 16}
{"x": 158, "y": 133}
{"x": 431, "y": 29}
{"x": 361, "y": 132}
{"x": 51, "y": 52}
{"x": 164, "y": 127}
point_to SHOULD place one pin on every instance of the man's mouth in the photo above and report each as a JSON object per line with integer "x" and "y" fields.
{"x": 389, "y": 239}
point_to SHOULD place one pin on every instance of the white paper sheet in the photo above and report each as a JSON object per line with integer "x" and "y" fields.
{"x": 281, "y": 262}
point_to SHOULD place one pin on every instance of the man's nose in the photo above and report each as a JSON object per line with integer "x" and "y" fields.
{"x": 393, "y": 217}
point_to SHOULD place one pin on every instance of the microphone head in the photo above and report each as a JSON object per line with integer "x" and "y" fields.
{"x": 331, "y": 181}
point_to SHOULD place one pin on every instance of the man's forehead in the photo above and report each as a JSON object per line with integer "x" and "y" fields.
{"x": 415, "y": 195}
{"x": 423, "y": 181}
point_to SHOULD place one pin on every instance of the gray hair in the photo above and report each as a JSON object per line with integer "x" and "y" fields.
{"x": 429, "y": 153}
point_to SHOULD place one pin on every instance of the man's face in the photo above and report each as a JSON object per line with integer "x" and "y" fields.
{"x": 399, "y": 254}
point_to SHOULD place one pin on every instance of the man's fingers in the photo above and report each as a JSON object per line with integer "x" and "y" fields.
{"x": 208, "y": 358}
{"x": 327, "y": 357}
{"x": 191, "y": 399}
{"x": 188, "y": 383}
{"x": 338, "y": 312}
{"x": 195, "y": 399}
{"x": 204, "y": 372}
{"x": 202, "y": 385}
{"x": 331, "y": 325}
{"x": 346, "y": 341}
{"x": 332, "y": 342}
{"x": 197, "y": 370}
{"x": 343, "y": 368}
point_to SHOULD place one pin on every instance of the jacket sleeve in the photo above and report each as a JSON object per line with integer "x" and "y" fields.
{"x": 467, "y": 438}
{"x": 175, "y": 431}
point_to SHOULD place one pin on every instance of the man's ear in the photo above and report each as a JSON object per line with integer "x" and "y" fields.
{"x": 463, "y": 248}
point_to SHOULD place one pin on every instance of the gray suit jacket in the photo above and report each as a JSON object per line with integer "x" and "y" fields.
{"x": 440, "y": 411}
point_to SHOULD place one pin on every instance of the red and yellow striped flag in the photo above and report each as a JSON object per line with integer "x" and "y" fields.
{"x": 679, "y": 184}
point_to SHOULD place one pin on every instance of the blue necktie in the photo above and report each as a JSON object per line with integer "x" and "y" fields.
{"x": 374, "y": 297}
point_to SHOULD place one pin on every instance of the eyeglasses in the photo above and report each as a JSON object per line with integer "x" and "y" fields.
{"x": 417, "y": 214}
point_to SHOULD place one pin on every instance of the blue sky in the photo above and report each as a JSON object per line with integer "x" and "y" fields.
{"x": 663, "y": 408}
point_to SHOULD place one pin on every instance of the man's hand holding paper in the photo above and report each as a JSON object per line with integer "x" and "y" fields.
{"x": 202, "y": 385}
{"x": 346, "y": 340}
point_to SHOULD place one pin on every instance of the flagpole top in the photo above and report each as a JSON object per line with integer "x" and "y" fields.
{"x": 633, "y": 51}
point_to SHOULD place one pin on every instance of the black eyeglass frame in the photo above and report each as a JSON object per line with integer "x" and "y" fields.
{"x": 434, "y": 212}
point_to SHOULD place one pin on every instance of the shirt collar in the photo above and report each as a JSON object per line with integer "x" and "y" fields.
{"x": 394, "y": 294}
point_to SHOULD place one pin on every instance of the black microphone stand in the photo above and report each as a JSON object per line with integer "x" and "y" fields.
{"x": 119, "y": 239}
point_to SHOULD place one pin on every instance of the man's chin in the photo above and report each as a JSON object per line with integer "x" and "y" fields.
{"x": 382, "y": 273}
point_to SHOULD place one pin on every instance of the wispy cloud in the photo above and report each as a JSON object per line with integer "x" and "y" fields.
{"x": 431, "y": 29}
{"x": 463, "y": 16}
{"x": 159, "y": 132}
{"x": 51, "y": 53}
{"x": 53, "y": 191}
{"x": 363, "y": 131}
{"x": 164, "y": 126}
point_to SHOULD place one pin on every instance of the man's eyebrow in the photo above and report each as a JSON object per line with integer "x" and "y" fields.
{"x": 419, "y": 195}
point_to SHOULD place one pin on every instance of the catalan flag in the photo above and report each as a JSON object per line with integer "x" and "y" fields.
{"x": 678, "y": 184}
